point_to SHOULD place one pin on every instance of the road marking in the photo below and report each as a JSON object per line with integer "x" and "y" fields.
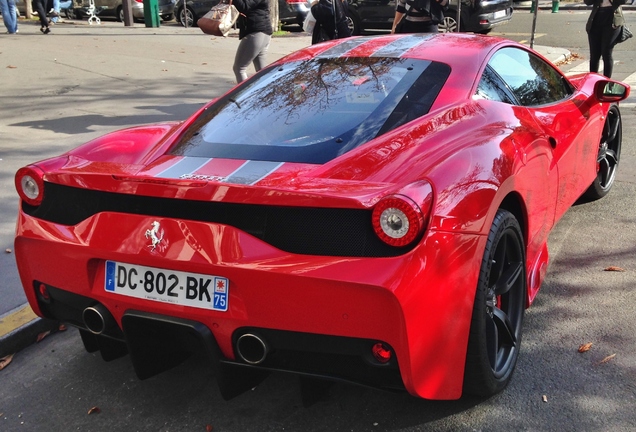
{"x": 16, "y": 319}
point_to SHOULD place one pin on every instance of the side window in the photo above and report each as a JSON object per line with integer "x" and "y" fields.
{"x": 492, "y": 88}
{"x": 532, "y": 80}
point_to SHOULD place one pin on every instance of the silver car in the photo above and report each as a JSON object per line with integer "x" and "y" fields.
{"x": 115, "y": 9}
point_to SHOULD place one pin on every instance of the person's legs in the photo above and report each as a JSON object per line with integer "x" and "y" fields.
{"x": 249, "y": 48}
{"x": 40, "y": 7}
{"x": 262, "y": 44}
{"x": 7, "y": 7}
{"x": 608, "y": 37}
{"x": 56, "y": 9}
{"x": 594, "y": 39}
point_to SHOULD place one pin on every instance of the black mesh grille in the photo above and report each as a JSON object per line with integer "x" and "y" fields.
{"x": 301, "y": 230}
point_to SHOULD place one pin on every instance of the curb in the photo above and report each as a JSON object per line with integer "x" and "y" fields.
{"x": 20, "y": 328}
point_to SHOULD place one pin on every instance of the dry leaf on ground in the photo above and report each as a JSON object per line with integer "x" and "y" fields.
{"x": 544, "y": 398}
{"x": 42, "y": 336}
{"x": 62, "y": 327}
{"x": 613, "y": 268}
{"x": 94, "y": 410}
{"x": 585, "y": 347}
{"x": 608, "y": 358}
{"x": 7, "y": 250}
{"x": 4, "y": 361}
{"x": 208, "y": 428}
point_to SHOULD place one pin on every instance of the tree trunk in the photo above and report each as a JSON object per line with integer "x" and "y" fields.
{"x": 274, "y": 14}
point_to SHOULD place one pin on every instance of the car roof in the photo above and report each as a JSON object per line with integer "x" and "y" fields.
{"x": 465, "y": 53}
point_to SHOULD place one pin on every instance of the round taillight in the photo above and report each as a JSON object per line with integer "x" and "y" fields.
{"x": 29, "y": 183}
{"x": 397, "y": 220}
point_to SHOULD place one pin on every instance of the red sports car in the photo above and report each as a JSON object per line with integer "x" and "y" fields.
{"x": 373, "y": 210}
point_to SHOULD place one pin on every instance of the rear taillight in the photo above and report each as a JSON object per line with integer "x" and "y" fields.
{"x": 296, "y": 1}
{"x": 29, "y": 182}
{"x": 400, "y": 219}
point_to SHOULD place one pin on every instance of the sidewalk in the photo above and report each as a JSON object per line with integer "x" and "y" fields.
{"x": 49, "y": 103}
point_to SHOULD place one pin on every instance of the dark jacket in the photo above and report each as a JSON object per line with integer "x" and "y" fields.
{"x": 254, "y": 17}
{"x": 327, "y": 27}
{"x": 618, "y": 20}
{"x": 422, "y": 8}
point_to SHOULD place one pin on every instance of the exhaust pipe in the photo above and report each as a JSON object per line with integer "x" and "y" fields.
{"x": 251, "y": 348}
{"x": 97, "y": 319}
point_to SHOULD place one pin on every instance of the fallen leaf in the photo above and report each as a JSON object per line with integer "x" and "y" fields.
{"x": 614, "y": 268}
{"x": 94, "y": 410}
{"x": 585, "y": 347}
{"x": 7, "y": 250}
{"x": 208, "y": 428}
{"x": 544, "y": 398}
{"x": 42, "y": 336}
{"x": 608, "y": 358}
{"x": 12, "y": 67}
{"x": 62, "y": 327}
{"x": 4, "y": 361}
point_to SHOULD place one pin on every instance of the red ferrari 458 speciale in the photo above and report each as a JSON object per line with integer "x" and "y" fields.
{"x": 373, "y": 210}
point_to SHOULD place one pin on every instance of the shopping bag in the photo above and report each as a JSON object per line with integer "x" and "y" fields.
{"x": 219, "y": 20}
{"x": 309, "y": 23}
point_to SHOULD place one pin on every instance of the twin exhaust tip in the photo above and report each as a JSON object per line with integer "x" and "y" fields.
{"x": 97, "y": 319}
{"x": 251, "y": 348}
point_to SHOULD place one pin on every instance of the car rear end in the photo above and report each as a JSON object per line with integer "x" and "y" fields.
{"x": 487, "y": 14}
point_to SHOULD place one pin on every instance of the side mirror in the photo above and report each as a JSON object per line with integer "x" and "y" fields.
{"x": 611, "y": 91}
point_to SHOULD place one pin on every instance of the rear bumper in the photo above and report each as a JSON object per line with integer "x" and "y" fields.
{"x": 307, "y": 308}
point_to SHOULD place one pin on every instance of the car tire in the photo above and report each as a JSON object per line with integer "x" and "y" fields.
{"x": 189, "y": 13}
{"x": 119, "y": 14}
{"x": 608, "y": 157}
{"x": 353, "y": 22}
{"x": 167, "y": 17}
{"x": 500, "y": 301}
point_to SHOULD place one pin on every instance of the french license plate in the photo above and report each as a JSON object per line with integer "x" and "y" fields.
{"x": 499, "y": 14}
{"x": 168, "y": 286}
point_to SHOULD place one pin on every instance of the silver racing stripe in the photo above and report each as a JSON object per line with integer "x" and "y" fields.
{"x": 187, "y": 165}
{"x": 252, "y": 172}
{"x": 249, "y": 173}
{"x": 395, "y": 48}
{"x": 398, "y": 47}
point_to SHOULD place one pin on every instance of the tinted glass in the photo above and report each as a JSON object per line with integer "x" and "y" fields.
{"x": 491, "y": 87}
{"x": 313, "y": 111}
{"x": 533, "y": 81}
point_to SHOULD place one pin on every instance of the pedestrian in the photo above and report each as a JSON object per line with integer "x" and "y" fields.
{"x": 331, "y": 20}
{"x": 418, "y": 16}
{"x": 255, "y": 33}
{"x": 8, "y": 9}
{"x": 40, "y": 8}
{"x": 603, "y": 27}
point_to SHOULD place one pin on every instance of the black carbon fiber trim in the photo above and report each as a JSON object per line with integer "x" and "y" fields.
{"x": 301, "y": 230}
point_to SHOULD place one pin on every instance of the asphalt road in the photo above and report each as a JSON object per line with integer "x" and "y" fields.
{"x": 83, "y": 84}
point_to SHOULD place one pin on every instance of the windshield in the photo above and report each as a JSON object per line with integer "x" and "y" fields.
{"x": 313, "y": 111}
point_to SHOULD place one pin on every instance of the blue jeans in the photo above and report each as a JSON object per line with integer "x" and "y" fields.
{"x": 56, "y": 8}
{"x": 7, "y": 7}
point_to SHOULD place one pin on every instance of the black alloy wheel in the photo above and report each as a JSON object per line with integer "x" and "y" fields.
{"x": 500, "y": 301}
{"x": 609, "y": 154}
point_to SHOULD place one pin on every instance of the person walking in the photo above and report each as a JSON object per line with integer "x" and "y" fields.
{"x": 331, "y": 20}
{"x": 40, "y": 8}
{"x": 9, "y": 17}
{"x": 255, "y": 33}
{"x": 602, "y": 28}
{"x": 418, "y": 16}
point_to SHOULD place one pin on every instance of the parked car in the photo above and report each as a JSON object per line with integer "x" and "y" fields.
{"x": 373, "y": 210}
{"x": 115, "y": 9}
{"x": 289, "y": 11}
{"x": 479, "y": 16}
